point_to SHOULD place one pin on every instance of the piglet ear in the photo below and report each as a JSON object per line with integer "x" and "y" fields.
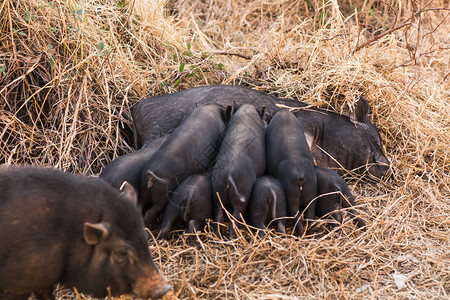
{"x": 361, "y": 112}
{"x": 128, "y": 192}
{"x": 94, "y": 233}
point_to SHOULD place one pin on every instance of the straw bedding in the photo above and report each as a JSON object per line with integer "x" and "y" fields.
{"x": 69, "y": 71}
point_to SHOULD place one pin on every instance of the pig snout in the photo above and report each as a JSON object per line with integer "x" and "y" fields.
{"x": 381, "y": 168}
{"x": 151, "y": 284}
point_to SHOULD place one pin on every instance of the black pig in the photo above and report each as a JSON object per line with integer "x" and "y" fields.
{"x": 129, "y": 167}
{"x": 240, "y": 161}
{"x": 267, "y": 204}
{"x": 336, "y": 141}
{"x": 334, "y": 193}
{"x": 57, "y": 227}
{"x": 290, "y": 161}
{"x": 188, "y": 150}
{"x": 192, "y": 202}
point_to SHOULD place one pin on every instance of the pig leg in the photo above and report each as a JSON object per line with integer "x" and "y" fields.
{"x": 298, "y": 226}
{"x": 261, "y": 229}
{"x": 218, "y": 213}
{"x": 232, "y": 230}
{"x": 293, "y": 206}
{"x": 280, "y": 227}
{"x": 257, "y": 218}
{"x": 309, "y": 194}
{"x": 358, "y": 221}
{"x": 218, "y": 217}
{"x": 353, "y": 214}
{"x": 336, "y": 216}
{"x": 233, "y": 226}
{"x": 170, "y": 216}
{"x": 193, "y": 227}
{"x": 309, "y": 223}
{"x": 152, "y": 214}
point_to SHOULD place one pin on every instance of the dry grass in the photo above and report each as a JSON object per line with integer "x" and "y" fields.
{"x": 70, "y": 70}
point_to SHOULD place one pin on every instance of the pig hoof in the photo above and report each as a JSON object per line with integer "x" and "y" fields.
{"x": 232, "y": 237}
{"x": 147, "y": 221}
{"x": 309, "y": 232}
{"x": 299, "y": 231}
{"x": 195, "y": 244}
{"x": 162, "y": 235}
{"x": 360, "y": 223}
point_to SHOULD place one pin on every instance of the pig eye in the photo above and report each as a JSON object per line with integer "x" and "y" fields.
{"x": 120, "y": 257}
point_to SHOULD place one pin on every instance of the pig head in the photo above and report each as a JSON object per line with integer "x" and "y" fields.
{"x": 346, "y": 144}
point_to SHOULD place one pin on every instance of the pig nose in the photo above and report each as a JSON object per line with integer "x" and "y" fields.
{"x": 161, "y": 291}
{"x": 380, "y": 169}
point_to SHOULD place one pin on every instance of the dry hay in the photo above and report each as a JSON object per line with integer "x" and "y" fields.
{"x": 69, "y": 71}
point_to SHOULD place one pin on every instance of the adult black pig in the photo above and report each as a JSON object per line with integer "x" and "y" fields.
{"x": 336, "y": 141}
{"x": 290, "y": 161}
{"x": 191, "y": 202}
{"x": 240, "y": 161}
{"x": 57, "y": 227}
{"x": 334, "y": 194}
{"x": 267, "y": 204}
{"x": 188, "y": 150}
{"x": 129, "y": 167}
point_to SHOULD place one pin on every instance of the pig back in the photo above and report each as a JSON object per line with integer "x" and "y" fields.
{"x": 244, "y": 142}
{"x": 285, "y": 140}
{"x": 194, "y": 144}
{"x": 165, "y": 112}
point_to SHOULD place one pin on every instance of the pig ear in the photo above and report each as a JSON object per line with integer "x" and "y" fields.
{"x": 94, "y": 233}
{"x": 152, "y": 178}
{"x": 128, "y": 192}
{"x": 361, "y": 112}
